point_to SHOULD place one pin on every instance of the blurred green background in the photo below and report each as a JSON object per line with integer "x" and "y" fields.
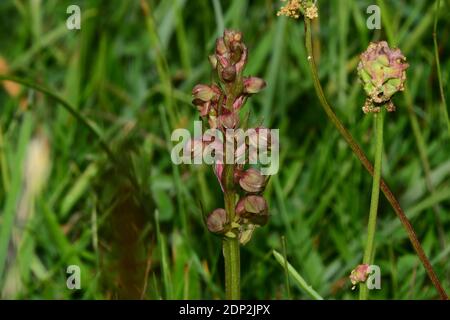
{"x": 132, "y": 221}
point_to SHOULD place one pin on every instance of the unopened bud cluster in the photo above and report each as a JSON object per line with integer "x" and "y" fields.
{"x": 359, "y": 275}
{"x": 382, "y": 71}
{"x": 219, "y": 104}
{"x": 294, "y": 8}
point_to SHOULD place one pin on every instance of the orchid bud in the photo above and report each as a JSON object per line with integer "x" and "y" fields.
{"x": 231, "y": 38}
{"x": 229, "y": 73}
{"x": 252, "y": 181}
{"x": 228, "y": 37}
{"x": 222, "y": 62}
{"x": 254, "y": 208}
{"x": 238, "y": 103}
{"x": 253, "y": 85}
{"x": 202, "y": 107}
{"x": 382, "y": 71}
{"x": 242, "y": 60}
{"x": 217, "y": 221}
{"x": 221, "y": 48}
{"x": 205, "y": 93}
{"x": 359, "y": 274}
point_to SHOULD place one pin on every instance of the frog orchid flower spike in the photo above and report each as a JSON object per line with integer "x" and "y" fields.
{"x": 219, "y": 105}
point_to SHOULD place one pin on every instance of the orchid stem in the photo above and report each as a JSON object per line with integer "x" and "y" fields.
{"x": 231, "y": 248}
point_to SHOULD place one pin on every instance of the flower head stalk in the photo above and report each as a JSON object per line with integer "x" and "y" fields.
{"x": 382, "y": 73}
{"x": 359, "y": 153}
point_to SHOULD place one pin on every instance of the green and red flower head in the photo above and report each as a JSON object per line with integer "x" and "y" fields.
{"x": 382, "y": 71}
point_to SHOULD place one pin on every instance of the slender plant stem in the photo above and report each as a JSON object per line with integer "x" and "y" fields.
{"x": 231, "y": 248}
{"x": 232, "y": 268}
{"x": 369, "y": 251}
{"x": 368, "y": 165}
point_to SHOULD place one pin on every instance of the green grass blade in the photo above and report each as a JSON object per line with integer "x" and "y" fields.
{"x": 296, "y": 276}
